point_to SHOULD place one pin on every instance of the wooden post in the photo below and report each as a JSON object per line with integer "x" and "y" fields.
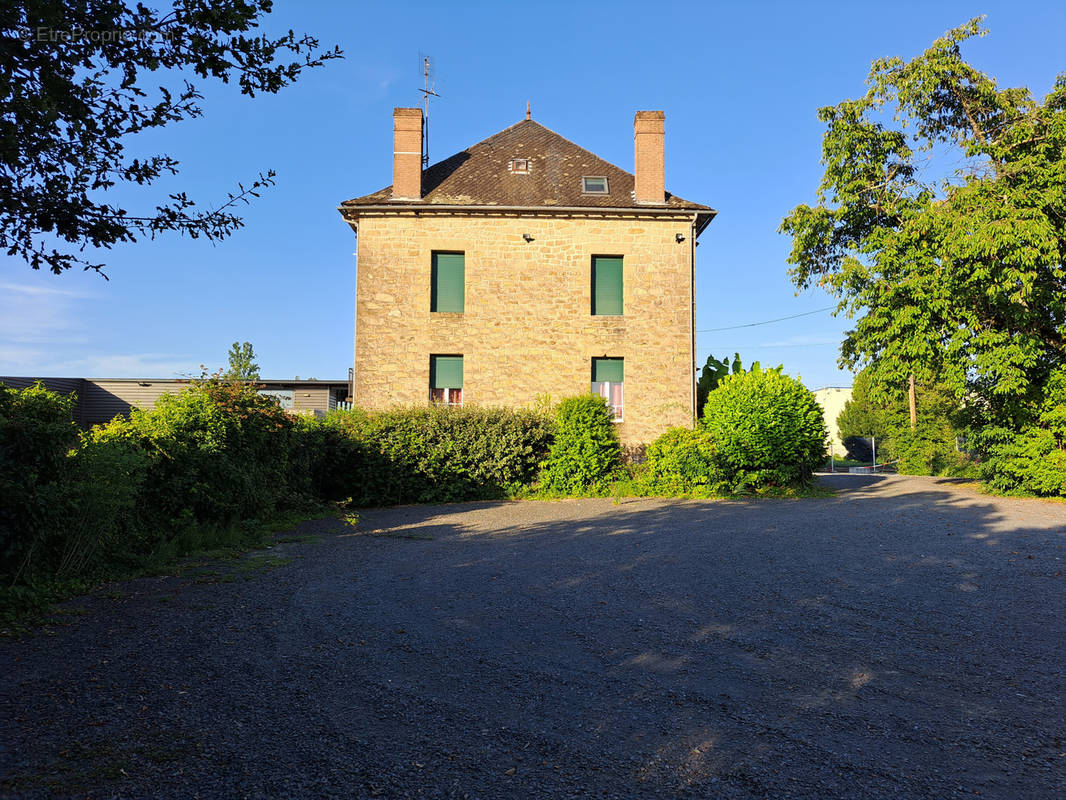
{"x": 914, "y": 405}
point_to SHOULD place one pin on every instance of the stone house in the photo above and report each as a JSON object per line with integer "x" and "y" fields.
{"x": 527, "y": 267}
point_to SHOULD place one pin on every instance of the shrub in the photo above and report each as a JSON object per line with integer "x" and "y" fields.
{"x": 585, "y": 455}
{"x": 767, "y": 429}
{"x": 1026, "y": 462}
{"x": 36, "y": 433}
{"x": 1031, "y": 460}
{"x": 432, "y": 454}
{"x": 682, "y": 461}
{"x": 218, "y": 452}
{"x": 102, "y": 503}
{"x": 930, "y": 450}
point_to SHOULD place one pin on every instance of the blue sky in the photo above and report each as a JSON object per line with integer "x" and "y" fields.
{"x": 740, "y": 84}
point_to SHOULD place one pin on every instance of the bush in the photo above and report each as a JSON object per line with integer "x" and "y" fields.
{"x": 432, "y": 454}
{"x": 858, "y": 448}
{"x": 767, "y": 429}
{"x": 102, "y": 504}
{"x": 1031, "y": 460}
{"x": 36, "y": 433}
{"x": 930, "y": 450}
{"x": 585, "y": 455}
{"x": 682, "y": 461}
{"x": 218, "y": 452}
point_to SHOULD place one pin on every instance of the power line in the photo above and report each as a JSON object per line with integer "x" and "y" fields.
{"x": 766, "y": 322}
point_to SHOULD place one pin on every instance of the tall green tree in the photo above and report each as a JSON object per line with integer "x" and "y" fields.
{"x": 242, "y": 364}
{"x": 79, "y": 79}
{"x": 955, "y": 273}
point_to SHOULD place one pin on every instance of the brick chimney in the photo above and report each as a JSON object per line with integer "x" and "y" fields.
{"x": 407, "y": 154}
{"x": 649, "y": 133}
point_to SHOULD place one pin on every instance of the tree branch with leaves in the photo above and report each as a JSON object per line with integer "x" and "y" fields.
{"x": 78, "y": 79}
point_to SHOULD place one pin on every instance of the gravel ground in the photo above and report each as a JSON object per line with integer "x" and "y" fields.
{"x": 904, "y": 639}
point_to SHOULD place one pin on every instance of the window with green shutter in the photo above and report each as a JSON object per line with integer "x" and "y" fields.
{"x": 448, "y": 292}
{"x": 607, "y": 285}
{"x": 446, "y": 380}
{"x": 608, "y": 381}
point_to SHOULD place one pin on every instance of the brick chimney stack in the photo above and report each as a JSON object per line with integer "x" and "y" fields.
{"x": 407, "y": 154}
{"x": 649, "y": 134}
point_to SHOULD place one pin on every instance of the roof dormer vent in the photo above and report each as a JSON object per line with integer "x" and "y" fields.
{"x": 518, "y": 166}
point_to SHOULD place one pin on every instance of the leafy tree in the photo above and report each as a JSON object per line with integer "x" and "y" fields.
{"x": 957, "y": 279}
{"x": 76, "y": 82}
{"x": 864, "y": 415}
{"x": 884, "y": 413}
{"x": 242, "y": 365}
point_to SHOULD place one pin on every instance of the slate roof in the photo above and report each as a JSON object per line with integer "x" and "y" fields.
{"x": 479, "y": 176}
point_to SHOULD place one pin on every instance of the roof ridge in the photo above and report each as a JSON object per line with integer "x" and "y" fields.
{"x": 479, "y": 175}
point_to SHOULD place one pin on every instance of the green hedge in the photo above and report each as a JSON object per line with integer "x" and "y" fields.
{"x": 201, "y": 466}
{"x": 430, "y": 454}
{"x": 36, "y": 434}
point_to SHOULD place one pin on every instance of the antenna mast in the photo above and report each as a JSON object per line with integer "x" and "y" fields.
{"x": 427, "y": 92}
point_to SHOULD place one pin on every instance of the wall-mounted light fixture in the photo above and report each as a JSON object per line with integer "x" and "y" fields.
{"x": 679, "y": 237}
{"x": 527, "y": 237}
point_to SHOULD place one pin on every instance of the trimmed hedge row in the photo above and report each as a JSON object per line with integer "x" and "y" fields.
{"x": 428, "y": 455}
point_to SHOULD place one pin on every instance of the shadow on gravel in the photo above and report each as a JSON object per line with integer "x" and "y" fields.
{"x": 902, "y": 639}
{"x": 905, "y": 635}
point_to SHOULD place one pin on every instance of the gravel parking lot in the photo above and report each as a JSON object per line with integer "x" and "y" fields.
{"x": 905, "y": 639}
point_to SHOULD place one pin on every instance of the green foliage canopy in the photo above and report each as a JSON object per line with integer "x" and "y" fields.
{"x": 929, "y": 449}
{"x": 78, "y": 79}
{"x": 959, "y": 280}
{"x": 242, "y": 364}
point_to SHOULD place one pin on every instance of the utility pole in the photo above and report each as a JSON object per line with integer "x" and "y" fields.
{"x": 914, "y": 405}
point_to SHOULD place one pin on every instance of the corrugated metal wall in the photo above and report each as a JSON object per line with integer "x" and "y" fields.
{"x": 104, "y": 400}
{"x": 310, "y": 399}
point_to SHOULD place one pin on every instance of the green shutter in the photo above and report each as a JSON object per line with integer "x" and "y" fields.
{"x": 446, "y": 372}
{"x": 606, "y": 285}
{"x": 608, "y": 369}
{"x": 449, "y": 283}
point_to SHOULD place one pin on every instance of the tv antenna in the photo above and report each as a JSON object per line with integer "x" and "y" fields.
{"x": 428, "y": 74}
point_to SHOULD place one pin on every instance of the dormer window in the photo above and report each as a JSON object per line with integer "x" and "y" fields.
{"x": 518, "y": 166}
{"x": 594, "y": 185}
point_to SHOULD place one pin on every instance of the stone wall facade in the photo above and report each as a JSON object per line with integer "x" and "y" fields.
{"x": 527, "y": 331}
